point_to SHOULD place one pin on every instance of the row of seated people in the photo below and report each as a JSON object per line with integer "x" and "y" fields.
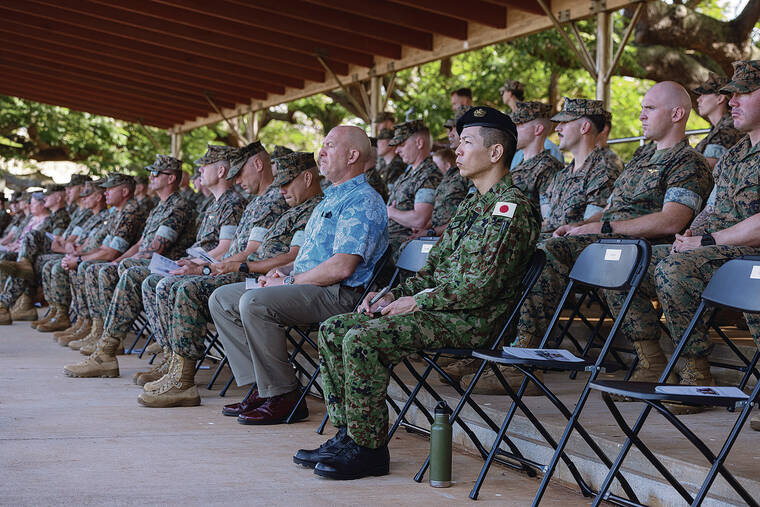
{"x": 314, "y": 254}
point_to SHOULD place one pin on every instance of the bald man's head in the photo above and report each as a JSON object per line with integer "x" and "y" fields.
{"x": 665, "y": 110}
{"x": 344, "y": 153}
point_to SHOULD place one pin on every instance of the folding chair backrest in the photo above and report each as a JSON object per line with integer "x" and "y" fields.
{"x": 375, "y": 273}
{"x": 736, "y": 285}
{"x": 415, "y": 254}
{"x": 612, "y": 263}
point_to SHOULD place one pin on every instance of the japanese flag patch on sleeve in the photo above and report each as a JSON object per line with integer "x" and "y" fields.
{"x": 504, "y": 209}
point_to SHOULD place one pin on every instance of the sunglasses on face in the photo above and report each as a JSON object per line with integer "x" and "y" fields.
{"x": 156, "y": 172}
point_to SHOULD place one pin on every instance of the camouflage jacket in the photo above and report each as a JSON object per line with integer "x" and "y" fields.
{"x": 259, "y": 216}
{"x": 124, "y": 226}
{"x": 613, "y": 161}
{"x": 417, "y": 184}
{"x": 94, "y": 230}
{"x": 720, "y": 138}
{"x": 5, "y": 222}
{"x": 376, "y": 181}
{"x": 574, "y": 195}
{"x": 736, "y": 195}
{"x": 220, "y": 220}
{"x": 652, "y": 178}
{"x": 56, "y": 222}
{"x": 146, "y": 204}
{"x": 475, "y": 269}
{"x": 450, "y": 192}
{"x": 78, "y": 219}
{"x": 533, "y": 176}
{"x": 390, "y": 171}
{"x": 287, "y": 232}
{"x": 172, "y": 220}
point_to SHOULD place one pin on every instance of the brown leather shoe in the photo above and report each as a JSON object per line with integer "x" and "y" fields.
{"x": 249, "y": 403}
{"x": 275, "y": 410}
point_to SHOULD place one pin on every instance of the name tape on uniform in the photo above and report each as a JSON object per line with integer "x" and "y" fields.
{"x": 426, "y": 247}
{"x": 612, "y": 254}
{"x": 755, "y": 272}
{"x": 504, "y": 209}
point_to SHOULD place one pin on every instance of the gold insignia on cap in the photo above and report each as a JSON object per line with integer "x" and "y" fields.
{"x": 479, "y": 113}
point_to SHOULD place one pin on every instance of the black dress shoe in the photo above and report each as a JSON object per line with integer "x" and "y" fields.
{"x": 352, "y": 461}
{"x": 310, "y": 458}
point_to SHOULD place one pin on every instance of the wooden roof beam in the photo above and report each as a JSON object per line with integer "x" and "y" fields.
{"x": 524, "y": 5}
{"x": 485, "y": 13}
{"x": 401, "y": 15}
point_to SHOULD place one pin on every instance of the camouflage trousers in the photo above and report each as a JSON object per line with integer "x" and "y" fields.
{"x": 34, "y": 243}
{"x": 126, "y": 304}
{"x": 99, "y": 284}
{"x": 177, "y": 307}
{"x": 681, "y": 278}
{"x": 14, "y": 287}
{"x": 356, "y": 352}
{"x": 78, "y": 283}
{"x": 47, "y": 261}
{"x": 56, "y": 282}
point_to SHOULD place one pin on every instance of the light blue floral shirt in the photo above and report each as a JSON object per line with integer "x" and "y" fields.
{"x": 351, "y": 219}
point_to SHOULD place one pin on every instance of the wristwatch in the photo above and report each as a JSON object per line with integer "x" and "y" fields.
{"x": 707, "y": 240}
{"x": 431, "y": 233}
{"x": 606, "y": 227}
{"x": 206, "y": 270}
{"x": 288, "y": 280}
{"x": 244, "y": 268}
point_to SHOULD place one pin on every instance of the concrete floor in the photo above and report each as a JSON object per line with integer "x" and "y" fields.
{"x": 87, "y": 442}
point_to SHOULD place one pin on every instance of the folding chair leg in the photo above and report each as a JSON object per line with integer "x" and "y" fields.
{"x": 137, "y": 338}
{"x": 145, "y": 346}
{"x": 322, "y": 425}
{"x": 750, "y": 369}
{"x": 302, "y": 397}
{"x": 226, "y": 386}
{"x": 217, "y": 372}
{"x": 205, "y": 352}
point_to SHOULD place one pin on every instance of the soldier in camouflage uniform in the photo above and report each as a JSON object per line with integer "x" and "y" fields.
{"x": 612, "y": 158}
{"x": 410, "y": 203}
{"x": 389, "y": 165}
{"x": 579, "y": 193}
{"x": 533, "y": 174}
{"x": 371, "y": 173}
{"x": 182, "y": 306}
{"x": 124, "y": 226}
{"x": 141, "y": 194}
{"x": 451, "y": 191}
{"x": 656, "y": 197}
{"x": 465, "y": 290}
{"x": 713, "y": 105}
{"x": 451, "y": 125}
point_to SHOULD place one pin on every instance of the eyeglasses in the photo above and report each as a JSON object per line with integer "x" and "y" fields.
{"x": 156, "y": 172}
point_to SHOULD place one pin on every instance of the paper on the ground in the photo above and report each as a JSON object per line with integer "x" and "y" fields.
{"x": 731, "y": 392}
{"x": 251, "y": 283}
{"x": 541, "y": 354}
{"x": 49, "y": 236}
{"x": 160, "y": 265}
{"x": 200, "y": 253}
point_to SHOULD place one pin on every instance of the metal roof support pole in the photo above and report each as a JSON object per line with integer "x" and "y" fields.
{"x": 256, "y": 124}
{"x": 227, "y": 120}
{"x": 176, "y": 144}
{"x": 253, "y": 126}
{"x": 603, "y": 57}
{"x": 389, "y": 91}
{"x": 591, "y": 70}
{"x": 374, "y": 101}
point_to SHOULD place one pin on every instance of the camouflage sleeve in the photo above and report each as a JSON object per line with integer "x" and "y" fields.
{"x": 229, "y": 217}
{"x": 489, "y": 261}
{"x": 689, "y": 181}
{"x": 449, "y": 194}
{"x": 177, "y": 221}
{"x": 426, "y": 192}
{"x": 60, "y": 222}
{"x": 599, "y": 186}
{"x": 127, "y": 229}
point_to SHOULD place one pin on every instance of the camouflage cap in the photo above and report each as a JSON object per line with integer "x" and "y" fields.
{"x": 51, "y": 189}
{"x": 746, "y": 78}
{"x": 459, "y": 111}
{"x": 116, "y": 179}
{"x": 608, "y": 118}
{"x": 92, "y": 187}
{"x": 573, "y": 109}
{"x": 241, "y": 155}
{"x": 385, "y": 116}
{"x": 713, "y": 84}
{"x": 78, "y": 179}
{"x": 529, "y": 111}
{"x": 280, "y": 151}
{"x": 512, "y": 86}
{"x": 403, "y": 131}
{"x": 215, "y": 153}
{"x": 291, "y": 165}
{"x": 141, "y": 179}
{"x": 17, "y": 196}
{"x": 385, "y": 134}
{"x": 165, "y": 163}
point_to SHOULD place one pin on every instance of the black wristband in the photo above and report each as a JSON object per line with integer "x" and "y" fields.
{"x": 606, "y": 227}
{"x": 707, "y": 240}
{"x": 244, "y": 268}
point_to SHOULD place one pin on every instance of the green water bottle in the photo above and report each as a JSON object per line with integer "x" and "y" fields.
{"x": 440, "y": 447}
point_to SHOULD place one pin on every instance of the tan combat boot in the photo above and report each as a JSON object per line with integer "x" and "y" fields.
{"x": 102, "y": 362}
{"x": 19, "y": 269}
{"x": 156, "y": 384}
{"x": 460, "y": 368}
{"x": 153, "y": 348}
{"x": 158, "y": 371}
{"x": 754, "y": 422}
{"x": 49, "y": 315}
{"x": 652, "y": 362}
{"x": 82, "y": 331}
{"x": 76, "y": 326}
{"x": 5, "y": 316}
{"x": 96, "y": 331}
{"x": 24, "y": 309}
{"x": 58, "y": 323}
{"x": 696, "y": 372}
{"x": 179, "y": 389}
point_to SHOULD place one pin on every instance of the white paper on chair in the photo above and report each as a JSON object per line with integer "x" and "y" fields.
{"x": 200, "y": 253}
{"x": 251, "y": 283}
{"x": 160, "y": 265}
{"x": 541, "y": 354}
{"x": 731, "y": 392}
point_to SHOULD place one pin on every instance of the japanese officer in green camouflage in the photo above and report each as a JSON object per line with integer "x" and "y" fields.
{"x": 538, "y": 167}
{"x": 389, "y": 165}
{"x": 656, "y": 197}
{"x": 410, "y": 203}
{"x": 166, "y": 233}
{"x": 183, "y": 306}
{"x": 462, "y": 294}
{"x": 713, "y": 105}
{"x": 580, "y": 191}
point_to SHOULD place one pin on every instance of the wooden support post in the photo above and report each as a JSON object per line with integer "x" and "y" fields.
{"x": 256, "y": 125}
{"x": 591, "y": 70}
{"x": 626, "y": 38}
{"x": 227, "y": 120}
{"x": 362, "y": 112}
{"x": 150, "y": 137}
{"x": 374, "y": 102}
{"x": 176, "y": 147}
{"x": 251, "y": 133}
{"x": 389, "y": 91}
{"x": 603, "y": 56}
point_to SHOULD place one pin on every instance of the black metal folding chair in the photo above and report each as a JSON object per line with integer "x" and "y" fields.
{"x": 302, "y": 360}
{"x": 611, "y": 264}
{"x": 736, "y": 285}
{"x": 431, "y": 357}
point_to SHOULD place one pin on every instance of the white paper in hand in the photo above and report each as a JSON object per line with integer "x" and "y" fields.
{"x": 160, "y": 265}
{"x": 251, "y": 283}
{"x": 541, "y": 354}
{"x": 200, "y": 253}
